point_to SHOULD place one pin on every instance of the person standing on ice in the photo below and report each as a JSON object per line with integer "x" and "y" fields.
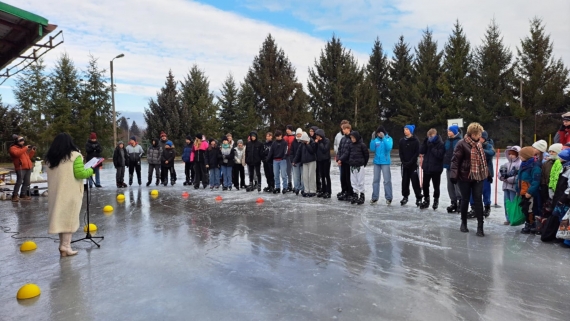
{"x": 508, "y": 174}
{"x": 336, "y": 144}
{"x": 253, "y": 158}
{"x": 432, "y": 151}
{"x": 357, "y": 158}
{"x": 453, "y": 137}
{"x": 381, "y": 146}
{"x": 409, "y": 150}
{"x": 469, "y": 170}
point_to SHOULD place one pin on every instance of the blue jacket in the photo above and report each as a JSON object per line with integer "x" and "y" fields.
{"x": 489, "y": 153}
{"x": 381, "y": 148}
{"x": 186, "y": 153}
{"x": 449, "y": 147}
{"x": 529, "y": 177}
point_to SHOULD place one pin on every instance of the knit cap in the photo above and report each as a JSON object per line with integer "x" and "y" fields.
{"x": 454, "y": 129}
{"x": 557, "y": 148}
{"x": 541, "y": 145}
{"x": 162, "y": 134}
{"x": 120, "y": 142}
{"x": 526, "y": 153}
{"x": 169, "y": 143}
{"x": 566, "y": 116}
{"x": 305, "y": 137}
{"x": 564, "y": 155}
{"x": 93, "y": 135}
{"x": 133, "y": 138}
{"x": 299, "y": 131}
{"x": 485, "y": 135}
{"x": 411, "y": 128}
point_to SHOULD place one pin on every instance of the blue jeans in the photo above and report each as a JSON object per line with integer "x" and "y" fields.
{"x": 227, "y": 175}
{"x": 214, "y": 177}
{"x": 486, "y": 194}
{"x": 97, "y": 177}
{"x": 280, "y": 167}
{"x": 508, "y": 195}
{"x": 380, "y": 170}
{"x": 297, "y": 171}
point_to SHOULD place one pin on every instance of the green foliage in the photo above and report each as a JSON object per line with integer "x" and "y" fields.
{"x": 402, "y": 95}
{"x": 374, "y": 108}
{"x": 248, "y": 118}
{"x": 135, "y": 130}
{"x": 10, "y": 120}
{"x": 427, "y": 71}
{"x": 229, "y": 104}
{"x": 163, "y": 114}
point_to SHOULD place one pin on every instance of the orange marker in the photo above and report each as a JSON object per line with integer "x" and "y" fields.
{"x": 259, "y": 200}
{"x": 218, "y": 198}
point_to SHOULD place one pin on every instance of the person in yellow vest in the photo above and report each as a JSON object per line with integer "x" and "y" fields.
{"x": 65, "y": 175}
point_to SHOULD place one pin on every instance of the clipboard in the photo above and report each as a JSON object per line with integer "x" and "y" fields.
{"x": 93, "y": 162}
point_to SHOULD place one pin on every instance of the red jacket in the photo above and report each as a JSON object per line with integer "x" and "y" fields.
{"x": 22, "y": 156}
{"x": 289, "y": 139}
{"x": 564, "y": 136}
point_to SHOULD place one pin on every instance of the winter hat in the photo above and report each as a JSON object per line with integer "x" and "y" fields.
{"x": 290, "y": 127}
{"x": 381, "y": 129}
{"x": 198, "y": 136}
{"x": 120, "y": 142}
{"x": 169, "y": 143}
{"x": 133, "y": 138}
{"x": 298, "y": 131}
{"x": 485, "y": 135}
{"x": 411, "y": 128}
{"x": 526, "y": 153}
{"x": 189, "y": 137}
{"x": 162, "y": 134}
{"x": 454, "y": 129}
{"x": 93, "y": 135}
{"x": 305, "y": 137}
{"x": 212, "y": 140}
{"x": 240, "y": 141}
{"x": 566, "y": 116}
{"x": 540, "y": 145}
{"x": 564, "y": 155}
{"x": 557, "y": 148}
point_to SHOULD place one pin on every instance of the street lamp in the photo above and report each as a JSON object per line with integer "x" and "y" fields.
{"x": 113, "y": 100}
{"x": 128, "y": 128}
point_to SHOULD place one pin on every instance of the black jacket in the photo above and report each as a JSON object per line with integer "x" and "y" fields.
{"x": 409, "y": 151}
{"x": 266, "y": 149}
{"x": 358, "y": 153}
{"x": 214, "y": 157}
{"x": 294, "y": 148}
{"x": 433, "y": 155}
{"x": 168, "y": 154}
{"x": 229, "y": 158}
{"x": 323, "y": 147}
{"x": 93, "y": 149}
{"x": 253, "y": 151}
{"x": 306, "y": 153}
{"x": 278, "y": 150}
{"x": 343, "y": 147}
{"x": 561, "y": 186}
{"x": 119, "y": 159}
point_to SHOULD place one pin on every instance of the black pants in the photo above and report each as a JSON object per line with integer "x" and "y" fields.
{"x": 132, "y": 168}
{"x": 164, "y": 171}
{"x": 189, "y": 171}
{"x": 472, "y": 188}
{"x": 22, "y": 180}
{"x": 325, "y": 175}
{"x": 269, "y": 176}
{"x": 411, "y": 174}
{"x": 120, "y": 175}
{"x": 345, "y": 183}
{"x": 318, "y": 178}
{"x": 251, "y": 168}
{"x": 201, "y": 173}
{"x": 154, "y": 168}
{"x": 238, "y": 175}
{"x": 436, "y": 179}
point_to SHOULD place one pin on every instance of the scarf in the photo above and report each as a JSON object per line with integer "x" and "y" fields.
{"x": 479, "y": 170}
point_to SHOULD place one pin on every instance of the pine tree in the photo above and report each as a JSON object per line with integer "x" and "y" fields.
{"x": 279, "y": 98}
{"x": 334, "y": 86}
{"x": 545, "y": 79}
{"x": 135, "y": 130}
{"x": 32, "y": 92}
{"x": 229, "y": 103}
{"x": 457, "y": 81}
{"x": 199, "y": 103}
{"x": 123, "y": 128}
{"x": 162, "y": 114}
{"x": 402, "y": 108}
{"x": 427, "y": 71}
{"x": 10, "y": 120}
{"x": 247, "y": 117}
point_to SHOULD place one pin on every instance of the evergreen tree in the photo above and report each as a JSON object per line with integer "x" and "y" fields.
{"x": 135, "y": 130}
{"x": 402, "y": 107}
{"x": 545, "y": 79}
{"x": 123, "y": 128}
{"x": 279, "y": 98}
{"x": 31, "y": 91}
{"x": 198, "y": 102}
{"x": 123, "y": 124}
{"x": 334, "y": 86}
{"x": 162, "y": 114}
{"x": 229, "y": 104}
{"x": 457, "y": 81}
{"x": 427, "y": 71}
{"x": 247, "y": 117}
{"x": 10, "y": 120}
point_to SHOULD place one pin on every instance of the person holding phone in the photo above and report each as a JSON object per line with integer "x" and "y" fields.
{"x": 22, "y": 158}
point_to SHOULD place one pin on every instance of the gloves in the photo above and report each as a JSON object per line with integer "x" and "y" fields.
{"x": 453, "y": 181}
{"x": 490, "y": 180}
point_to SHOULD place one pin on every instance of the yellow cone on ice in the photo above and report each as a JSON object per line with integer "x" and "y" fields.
{"x": 28, "y": 291}
{"x": 92, "y": 228}
{"x": 154, "y": 192}
{"x": 28, "y": 246}
{"x": 108, "y": 208}
{"x": 120, "y": 197}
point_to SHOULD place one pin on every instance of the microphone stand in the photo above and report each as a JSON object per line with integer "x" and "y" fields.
{"x": 88, "y": 236}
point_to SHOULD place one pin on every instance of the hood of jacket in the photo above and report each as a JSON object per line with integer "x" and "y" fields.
{"x": 305, "y": 137}
{"x": 320, "y": 132}
{"x": 512, "y": 148}
{"x": 356, "y": 135}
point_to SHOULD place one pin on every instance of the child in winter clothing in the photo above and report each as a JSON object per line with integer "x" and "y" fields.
{"x": 381, "y": 146}
{"x": 239, "y": 162}
{"x": 227, "y": 164}
{"x": 528, "y": 185}
{"x": 357, "y": 157}
{"x": 253, "y": 158}
{"x": 120, "y": 161}
{"x": 306, "y": 155}
{"x": 551, "y": 169}
{"x": 154, "y": 158}
{"x": 199, "y": 149}
{"x": 277, "y": 156}
{"x": 167, "y": 162}
{"x": 453, "y": 137}
{"x": 323, "y": 163}
{"x": 268, "y": 164}
{"x": 134, "y": 152}
{"x": 188, "y": 159}
{"x": 213, "y": 160}
{"x": 347, "y": 192}
{"x": 289, "y": 137}
{"x": 507, "y": 174}
{"x": 433, "y": 152}
{"x": 297, "y": 167}
{"x": 409, "y": 150}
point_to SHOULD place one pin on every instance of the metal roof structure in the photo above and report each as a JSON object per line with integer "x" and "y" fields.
{"x": 21, "y": 31}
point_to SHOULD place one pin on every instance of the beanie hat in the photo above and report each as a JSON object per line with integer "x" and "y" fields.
{"x": 169, "y": 143}
{"x": 381, "y": 129}
{"x": 290, "y": 127}
{"x": 133, "y": 138}
{"x": 454, "y": 129}
{"x": 564, "y": 155}
{"x": 305, "y": 137}
{"x": 198, "y": 136}
{"x": 485, "y": 135}
{"x": 540, "y": 145}
{"x": 212, "y": 140}
{"x": 526, "y": 153}
{"x": 162, "y": 134}
{"x": 299, "y": 131}
{"x": 557, "y": 148}
{"x": 189, "y": 137}
{"x": 92, "y": 136}
{"x": 566, "y": 116}
{"x": 240, "y": 141}
{"x": 411, "y": 128}
{"x": 120, "y": 142}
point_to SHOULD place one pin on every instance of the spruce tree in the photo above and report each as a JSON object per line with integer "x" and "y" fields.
{"x": 162, "y": 114}
{"x": 198, "y": 102}
{"x": 427, "y": 71}
{"x": 402, "y": 107}
{"x": 229, "y": 104}
{"x": 10, "y": 120}
{"x": 279, "y": 98}
{"x": 247, "y": 117}
{"x": 135, "y": 130}
{"x": 334, "y": 86}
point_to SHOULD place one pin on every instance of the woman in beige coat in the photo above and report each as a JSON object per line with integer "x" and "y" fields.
{"x": 65, "y": 174}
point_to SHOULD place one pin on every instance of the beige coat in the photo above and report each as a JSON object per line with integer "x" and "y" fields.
{"x": 65, "y": 196}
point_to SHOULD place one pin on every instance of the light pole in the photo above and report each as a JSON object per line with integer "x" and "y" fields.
{"x": 113, "y": 100}
{"x": 521, "y": 120}
{"x": 128, "y": 128}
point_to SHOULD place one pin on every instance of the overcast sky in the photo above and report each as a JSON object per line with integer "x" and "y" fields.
{"x": 224, "y": 36}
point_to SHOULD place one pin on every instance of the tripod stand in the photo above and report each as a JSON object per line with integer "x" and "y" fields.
{"x": 88, "y": 236}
